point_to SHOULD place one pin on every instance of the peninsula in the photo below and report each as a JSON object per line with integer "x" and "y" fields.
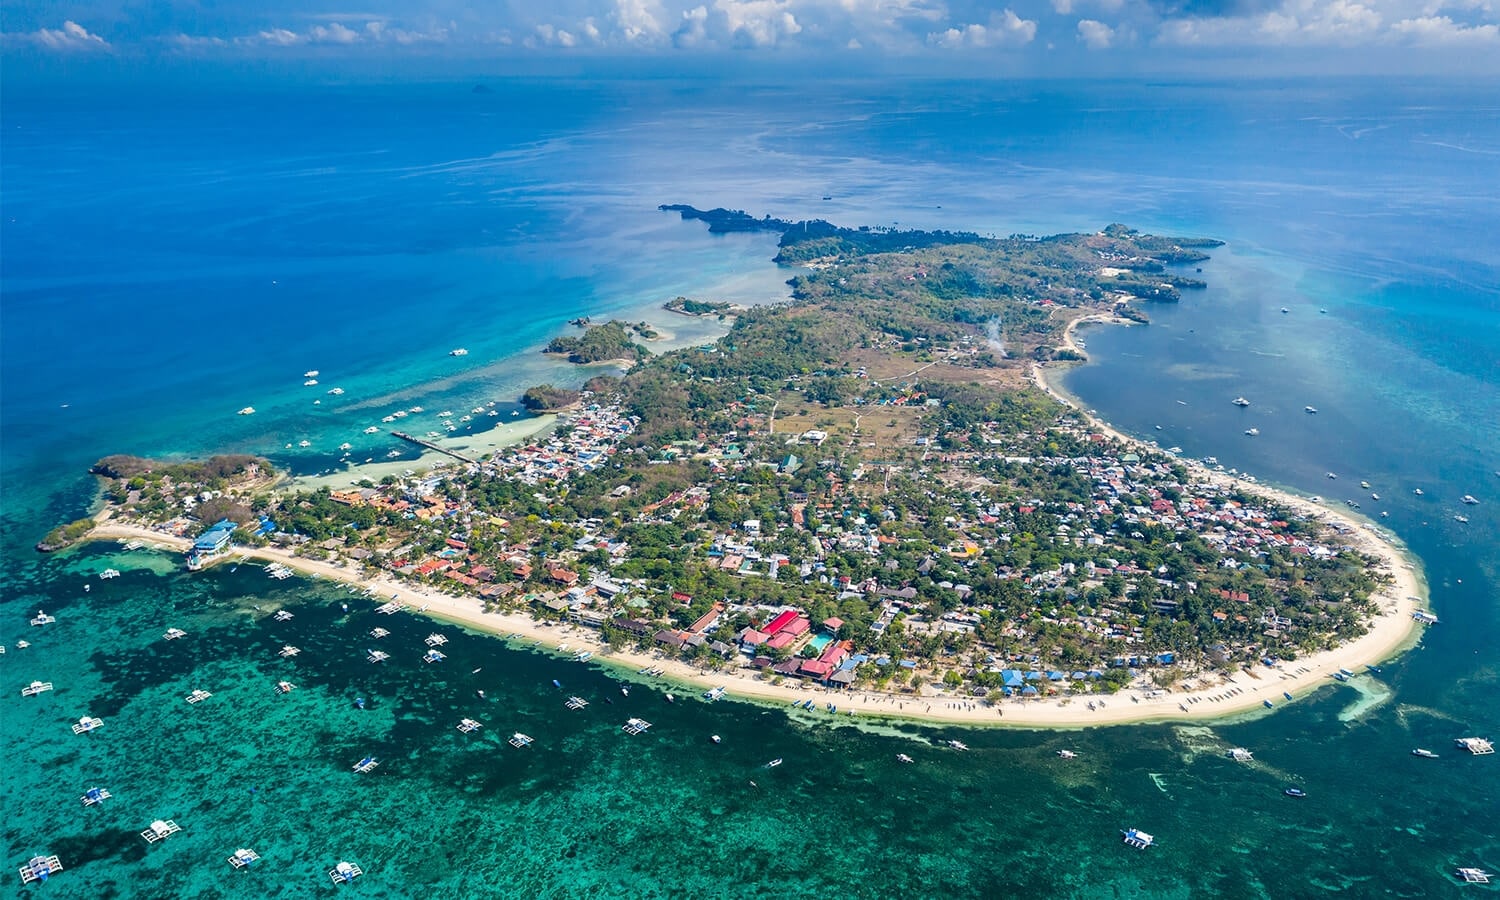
{"x": 869, "y": 491}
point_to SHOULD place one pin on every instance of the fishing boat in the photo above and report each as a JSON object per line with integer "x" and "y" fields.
{"x": 1469, "y": 874}
{"x": 1346, "y": 673}
{"x": 432, "y": 656}
{"x": 669, "y": 698}
{"x": 1469, "y": 500}
{"x": 285, "y": 687}
{"x": 774, "y": 763}
{"x": 625, "y": 690}
{"x": 248, "y": 411}
{"x": 368, "y": 764}
{"x": 1374, "y": 669}
{"x": 1252, "y": 431}
{"x": 1241, "y": 402}
{"x": 1067, "y": 754}
{"x": 902, "y": 757}
{"x": 35, "y": 688}
{"x": 577, "y": 703}
{"x": 1310, "y": 410}
{"x": 468, "y": 726}
{"x": 519, "y": 740}
{"x": 41, "y": 618}
{"x": 718, "y": 694}
{"x": 635, "y": 726}
{"x": 435, "y": 640}
{"x": 288, "y": 651}
{"x": 359, "y": 703}
{"x": 40, "y": 868}
{"x": 243, "y": 857}
{"x": 1268, "y": 704}
{"x": 160, "y": 830}
{"x": 310, "y": 373}
{"x": 282, "y": 616}
{"x": 1417, "y": 491}
{"x": 345, "y": 872}
{"x": 87, "y": 724}
{"x": 198, "y": 696}
{"x": 1295, "y": 792}
{"x": 716, "y": 739}
{"x": 458, "y": 351}
{"x": 1138, "y": 839}
{"x": 1240, "y": 754}
{"x": 173, "y": 634}
{"x": 958, "y": 745}
{"x": 378, "y": 633}
{"x": 1475, "y": 745}
{"x": 95, "y": 796}
{"x": 1425, "y": 754}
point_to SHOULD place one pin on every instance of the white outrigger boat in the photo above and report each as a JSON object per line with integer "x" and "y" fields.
{"x": 435, "y": 640}
{"x": 519, "y": 740}
{"x": 1138, "y": 839}
{"x": 41, "y": 618}
{"x": 173, "y": 634}
{"x": 345, "y": 872}
{"x": 469, "y": 726}
{"x": 715, "y": 694}
{"x": 36, "y": 687}
{"x": 198, "y": 696}
{"x": 87, "y": 725}
{"x": 160, "y": 830}
{"x": 243, "y": 857}
{"x": 95, "y": 796}
{"x": 1475, "y": 745}
{"x": 368, "y": 764}
{"x": 376, "y": 656}
{"x": 288, "y": 651}
{"x": 282, "y": 616}
{"x": 40, "y": 868}
{"x": 1240, "y": 754}
{"x": 635, "y": 726}
{"x": 378, "y": 633}
{"x": 577, "y": 703}
{"x": 285, "y": 687}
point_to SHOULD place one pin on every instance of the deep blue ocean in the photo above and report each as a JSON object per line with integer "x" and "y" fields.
{"x": 171, "y": 254}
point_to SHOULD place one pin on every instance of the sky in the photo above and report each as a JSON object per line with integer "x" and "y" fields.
{"x": 1012, "y": 37}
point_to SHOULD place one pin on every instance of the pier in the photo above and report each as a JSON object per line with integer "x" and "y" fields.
{"x": 431, "y": 446}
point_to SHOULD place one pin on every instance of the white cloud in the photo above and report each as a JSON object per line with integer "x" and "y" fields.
{"x": 693, "y": 32}
{"x": 1443, "y": 31}
{"x": 639, "y": 20}
{"x": 280, "y": 37}
{"x": 1095, "y": 34}
{"x": 332, "y": 34}
{"x": 70, "y": 37}
{"x": 1004, "y": 29}
{"x": 758, "y": 23}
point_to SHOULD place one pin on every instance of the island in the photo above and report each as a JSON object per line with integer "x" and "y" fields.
{"x": 611, "y": 342}
{"x": 872, "y": 492}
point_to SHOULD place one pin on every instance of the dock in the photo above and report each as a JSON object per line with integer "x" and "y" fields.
{"x": 243, "y": 857}
{"x": 160, "y": 830}
{"x": 577, "y": 703}
{"x": 345, "y": 872}
{"x": 431, "y": 446}
{"x": 36, "y": 687}
{"x": 40, "y": 868}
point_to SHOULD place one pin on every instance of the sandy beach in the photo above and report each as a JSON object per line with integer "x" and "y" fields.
{"x": 1212, "y": 697}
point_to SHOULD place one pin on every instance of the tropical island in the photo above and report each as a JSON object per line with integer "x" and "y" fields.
{"x": 612, "y": 341}
{"x": 867, "y": 490}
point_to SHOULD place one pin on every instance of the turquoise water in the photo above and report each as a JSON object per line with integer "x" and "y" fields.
{"x": 143, "y": 237}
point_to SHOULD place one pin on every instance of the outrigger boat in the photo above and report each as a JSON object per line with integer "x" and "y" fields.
{"x": 635, "y": 726}
{"x": 715, "y": 694}
{"x": 376, "y": 656}
{"x": 1138, "y": 839}
{"x": 285, "y": 687}
{"x": 36, "y": 687}
{"x": 468, "y": 726}
{"x": 198, "y": 696}
{"x": 367, "y": 764}
{"x": 1425, "y": 754}
{"x": 519, "y": 740}
{"x": 160, "y": 830}
{"x": 40, "y": 868}
{"x": 345, "y": 872}
{"x": 87, "y": 724}
{"x": 95, "y": 796}
{"x": 288, "y": 651}
{"x": 174, "y": 633}
{"x": 958, "y": 745}
{"x": 243, "y": 857}
{"x": 577, "y": 703}
{"x": 904, "y": 758}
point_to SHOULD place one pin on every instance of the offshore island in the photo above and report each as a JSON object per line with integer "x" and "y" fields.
{"x": 872, "y": 495}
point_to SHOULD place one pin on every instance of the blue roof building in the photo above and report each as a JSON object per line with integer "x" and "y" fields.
{"x": 216, "y": 538}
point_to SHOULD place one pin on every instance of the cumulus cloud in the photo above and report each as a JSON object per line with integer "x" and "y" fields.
{"x": 1444, "y": 32}
{"x": 1005, "y": 29}
{"x": 70, "y": 37}
{"x": 693, "y": 30}
{"x": 1095, "y": 34}
{"x": 639, "y": 21}
{"x": 758, "y": 23}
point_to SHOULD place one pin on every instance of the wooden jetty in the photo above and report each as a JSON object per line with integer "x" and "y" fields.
{"x": 431, "y": 446}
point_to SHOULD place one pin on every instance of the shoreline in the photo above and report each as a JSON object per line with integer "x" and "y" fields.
{"x": 1209, "y": 702}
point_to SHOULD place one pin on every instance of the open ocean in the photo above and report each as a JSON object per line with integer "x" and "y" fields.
{"x": 172, "y": 254}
